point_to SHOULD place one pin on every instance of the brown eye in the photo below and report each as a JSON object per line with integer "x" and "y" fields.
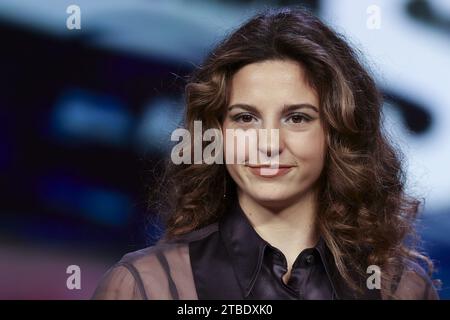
{"x": 299, "y": 118}
{"x": 246, "y": 118}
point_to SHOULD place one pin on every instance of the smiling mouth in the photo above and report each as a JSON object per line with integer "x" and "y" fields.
{"x": 268, "y": 172}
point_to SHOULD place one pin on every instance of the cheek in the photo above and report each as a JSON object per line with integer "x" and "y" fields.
{"x": 237, "y": 149}
{"x": 307, "y": 146}
{"x": 225, "y": 126}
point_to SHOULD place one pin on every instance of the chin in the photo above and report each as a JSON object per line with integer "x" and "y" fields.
{"x": 270, "y": 196}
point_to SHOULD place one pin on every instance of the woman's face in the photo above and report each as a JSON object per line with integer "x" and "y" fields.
{"x": 274, "y": 94}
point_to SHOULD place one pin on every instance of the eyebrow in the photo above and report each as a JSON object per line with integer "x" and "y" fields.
{"x": 286, "y": 107}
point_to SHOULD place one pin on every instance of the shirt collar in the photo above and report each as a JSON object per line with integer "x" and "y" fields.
{"x": 243, "y": 244}
{"x": 246, "y": 250}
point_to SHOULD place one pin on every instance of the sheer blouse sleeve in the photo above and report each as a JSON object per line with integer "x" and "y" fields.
{"x": 159, "y": 272}
{"x": 415, "y": 284}
{"x": 120, "y": 283}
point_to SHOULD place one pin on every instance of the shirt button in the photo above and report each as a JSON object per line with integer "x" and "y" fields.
{"x": 310, "y": 259}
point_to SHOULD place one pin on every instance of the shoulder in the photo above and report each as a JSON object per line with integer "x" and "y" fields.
{"x": 192, "y": 236}
{"x": 415, "y": 283}
{"x": 167, "y": 251}
{"x": 152, "y": 272}
{"x": 168, "y": 248}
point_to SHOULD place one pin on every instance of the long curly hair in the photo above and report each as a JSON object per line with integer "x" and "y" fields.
{"x": 364, "y": 215}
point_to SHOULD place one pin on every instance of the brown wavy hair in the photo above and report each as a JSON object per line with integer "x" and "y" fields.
{"x": 364, "y": 215}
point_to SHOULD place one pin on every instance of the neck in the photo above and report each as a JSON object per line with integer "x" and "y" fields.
{"x": 290, "y": 227}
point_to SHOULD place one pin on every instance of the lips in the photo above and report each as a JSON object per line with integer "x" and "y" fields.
{"x": 268, "y": 172}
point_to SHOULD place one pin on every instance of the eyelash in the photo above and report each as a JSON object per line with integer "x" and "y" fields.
{"x": 238, "y": 117}
{"x": 303, "y": 116}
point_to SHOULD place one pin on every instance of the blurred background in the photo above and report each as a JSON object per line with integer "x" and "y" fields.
{"x": 86, "y": 115}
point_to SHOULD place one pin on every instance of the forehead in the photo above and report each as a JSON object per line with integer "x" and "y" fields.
{"x": 272, "y": 82}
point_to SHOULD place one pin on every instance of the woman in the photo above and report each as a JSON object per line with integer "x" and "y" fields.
{"x": 330, "y": 221}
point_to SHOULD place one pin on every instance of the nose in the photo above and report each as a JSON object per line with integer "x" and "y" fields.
{"x": 270, "y": 143}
